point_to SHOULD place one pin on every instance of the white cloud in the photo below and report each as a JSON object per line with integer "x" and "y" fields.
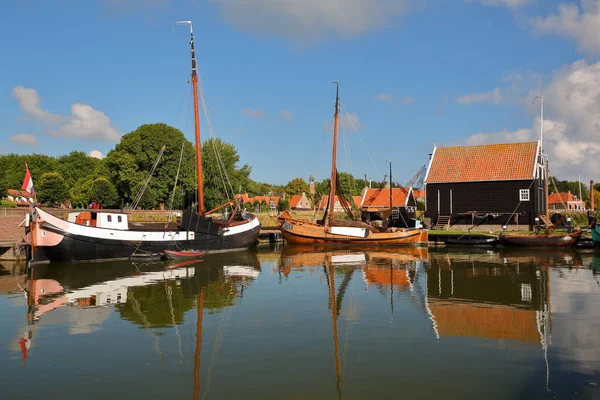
{"x": 495, "y": 97}
{"x": 96, "y": 154}
{"x": 87, "y": 123}
{"x": 250, "y": 112}
{"x": 572, "y": 125}
{"x": 513, "y": 4}
{"x": 311, "y": 19}
{"x": 384, "y": 97}
{"x": 84, "y": 122}
{"x": 30, "y": 103}
{"x": 286, "y": 115}
{"x": 581, "y": 25}
{"x": 407, "y": 100}
{"x": 24, "y": 138}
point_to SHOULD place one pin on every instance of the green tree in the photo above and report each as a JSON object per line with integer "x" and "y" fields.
{"x": 132, "y": 159}
{"x": 76, "y": 165}
{"x": 217, "y": 184}
{"x": 103, "y": 192}
{"x": 52, "y": 189}
{"x": 283, "y": 205}
{"x": 3, "y": 185}
{"x": 13, "y": 166}
{"x": 322, "y": 188}
{"x": 296, "y": 186}
{"x": 348, "y": 184}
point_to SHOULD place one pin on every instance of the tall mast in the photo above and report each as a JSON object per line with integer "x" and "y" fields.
{"x": 196, "y": 121}
{"x": 547, "y": 171}
{"x": 334, "y": 154}
{"x": 390, "y": 187}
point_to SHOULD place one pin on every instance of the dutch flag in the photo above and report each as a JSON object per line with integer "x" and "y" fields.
{"x": 28, "y": 182}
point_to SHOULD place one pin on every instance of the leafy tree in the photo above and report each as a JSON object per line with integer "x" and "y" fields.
{"x": 3, "y": 186}
{"x": 322, "y": 188}
{"x": 133, "y": 157}
{"x": 79, "y": 192}
{"x": 103, "y": 192}
{"x": 348, "y": 184}
{"x": 216, "y": 184}
{"x": 283, "y": 205}
{"x": 76, "y": 165}
{"x": 13, "y": 166}
{"x": 52, "y": 189}
{"x": 296, "y": 186}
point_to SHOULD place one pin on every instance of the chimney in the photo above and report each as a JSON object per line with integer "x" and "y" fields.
{"x": 592, "y": 195}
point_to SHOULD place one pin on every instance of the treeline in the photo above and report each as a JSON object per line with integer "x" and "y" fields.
{"x": 116, "y": 180}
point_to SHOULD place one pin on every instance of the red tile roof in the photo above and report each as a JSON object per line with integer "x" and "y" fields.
{"x": 418, "y": 193}
{"x": 559, "y": 198}
{"x": 357, "y": 200}
{"x": 294, "y": 200}
{"x": 20, "y": 193}
{"x": 323, "y": 202}
{"x": 380, "y": 198}
{"x": 243, "y": 196}
{"x": 493, "y": 162}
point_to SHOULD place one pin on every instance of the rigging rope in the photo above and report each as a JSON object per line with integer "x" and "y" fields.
{"x": 140, "y": 193}
{"x": 359, "y": 137}
{"x": 170, "y": 207}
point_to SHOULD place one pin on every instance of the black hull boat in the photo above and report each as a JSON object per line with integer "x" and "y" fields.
{"x": 471, "y": 241}
{"x": 54, "y": 239}
{"x": 549, "y": 240}
{"x": 103, "y": 236}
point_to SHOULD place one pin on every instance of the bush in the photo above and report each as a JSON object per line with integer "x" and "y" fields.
{"x": 7, "y": 204}
{"x": 283, "y": 205}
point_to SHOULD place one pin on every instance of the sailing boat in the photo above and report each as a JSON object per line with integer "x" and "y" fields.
{"x": 99, "y": 236}
{"x": 546, "y": 239}
{"x": 332, "y": 232}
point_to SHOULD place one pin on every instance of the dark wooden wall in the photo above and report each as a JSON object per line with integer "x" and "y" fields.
{"x": 493, "y": 197}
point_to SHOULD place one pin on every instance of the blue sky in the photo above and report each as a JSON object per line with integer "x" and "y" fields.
{"x": 414, "y": 73}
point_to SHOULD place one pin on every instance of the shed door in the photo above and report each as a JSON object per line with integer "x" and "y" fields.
{"x": 444, "y": 197}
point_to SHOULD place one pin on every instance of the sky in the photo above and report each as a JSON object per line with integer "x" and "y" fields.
{"x": 413, "y": 74}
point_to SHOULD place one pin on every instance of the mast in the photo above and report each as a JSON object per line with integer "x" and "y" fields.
{"x": 547, "y": 171}
{"x": 334, "y": 154}
{"x": 390, "y": 188}
{"x": 334, "y": 329}
{"x": 196, "y": 121}
{"x": 198, "y": 344}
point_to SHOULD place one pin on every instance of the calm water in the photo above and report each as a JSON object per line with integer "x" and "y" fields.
{"x": 295, "y": 323}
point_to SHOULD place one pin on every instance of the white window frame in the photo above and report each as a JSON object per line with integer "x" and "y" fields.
{"x": 524, "y": 195}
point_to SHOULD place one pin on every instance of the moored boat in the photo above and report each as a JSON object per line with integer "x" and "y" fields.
{"x": 99, "y": 236}
{"x": 471, "y": 240}
{"x": 542, "y": 240}
{"x": 330, "y": 231}
{"x": 183, "y": 254}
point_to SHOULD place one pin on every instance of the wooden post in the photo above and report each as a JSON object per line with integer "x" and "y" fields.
{"x": 592, "y": 196}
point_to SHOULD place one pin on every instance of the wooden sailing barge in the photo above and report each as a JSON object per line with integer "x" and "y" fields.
{"x": 101, "y": 236}
{"x": 330, "y": 231}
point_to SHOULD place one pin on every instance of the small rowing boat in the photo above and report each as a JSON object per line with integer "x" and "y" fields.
{"x": 468, "y": 240}
{"x": 183, "y": 255}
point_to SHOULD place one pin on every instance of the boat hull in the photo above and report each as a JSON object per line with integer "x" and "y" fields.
{"x": 299, "y": 233}
{"x": 492, "y": 241}
{"x": 58, "y": 240}
{"x": 566, "y": 240}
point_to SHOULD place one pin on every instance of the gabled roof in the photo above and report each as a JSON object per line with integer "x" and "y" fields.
{"x": 325, "y": 199}
{"x": 492, "y": 162}
{"x": 559, "y": 198}
{"x": 357, "y": 200}
{"x": 294, "y": 200}
{"x": 243, "y": 196}
{"x": 380, "y": 198}
{"x": 19, "y": 192}
{"x": 418, "y": 193}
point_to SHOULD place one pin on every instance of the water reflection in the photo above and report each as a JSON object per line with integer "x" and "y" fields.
{"x": 152, "y": 295}
{"x": 314, "y": 323}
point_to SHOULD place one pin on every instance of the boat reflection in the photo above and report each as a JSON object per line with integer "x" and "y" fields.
{"x": 152, "y": 295}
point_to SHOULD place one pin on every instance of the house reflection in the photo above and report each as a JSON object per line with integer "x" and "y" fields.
{"x": 485, "y": 296}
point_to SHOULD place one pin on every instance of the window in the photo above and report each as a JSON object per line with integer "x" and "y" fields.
{"x": 119, "y": 219}
{"x": 395, "y": 213}
{"x": 109, "y": 218}
{"x": 524, "y": 195}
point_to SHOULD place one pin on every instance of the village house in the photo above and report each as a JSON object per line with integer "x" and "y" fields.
{"x": 497, "y": 184}
{"x": 565, "y": 201}
{"x": 375, "y": 205}
{"x": 256, "y": 201}
{"x": 300, "y": 202}
{"x": 322, "y": 204}
{"x": 19, "y": 197}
